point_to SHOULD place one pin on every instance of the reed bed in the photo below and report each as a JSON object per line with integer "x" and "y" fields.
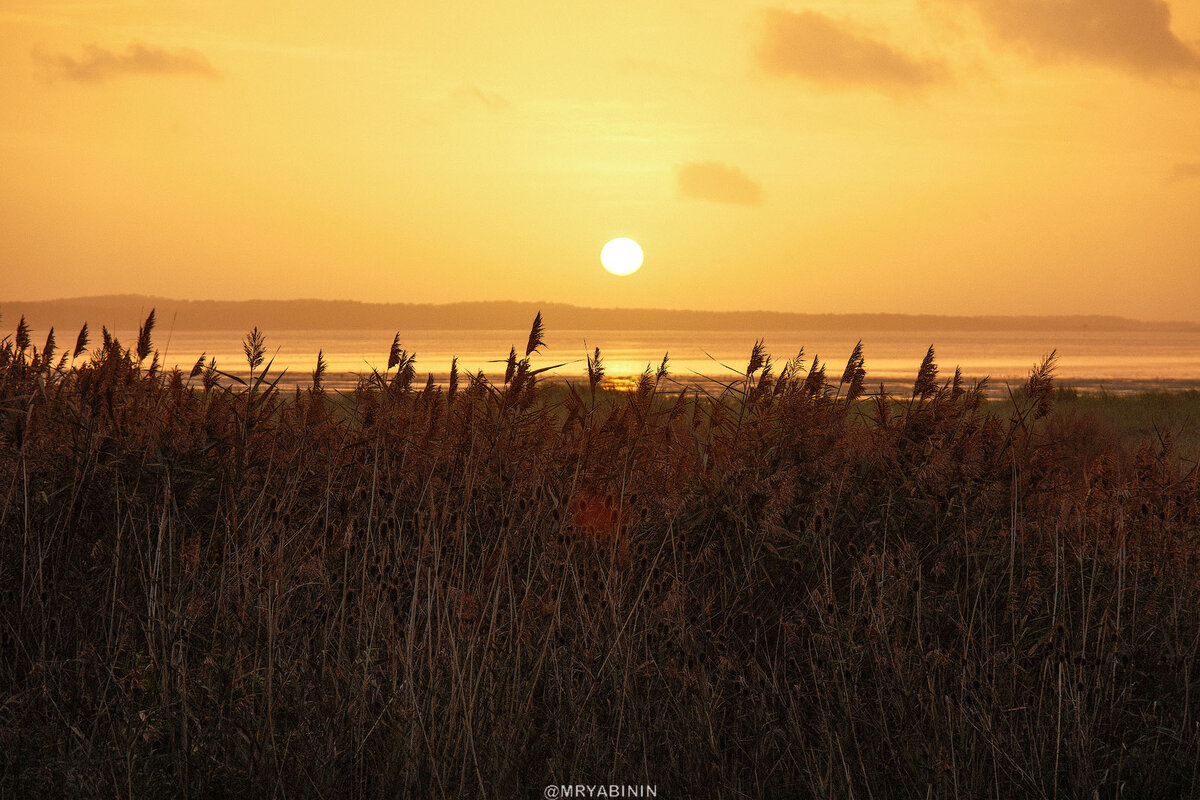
{"x": 790, "y": 588}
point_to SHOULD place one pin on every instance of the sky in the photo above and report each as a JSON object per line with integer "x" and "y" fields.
{"x": 918, "y": 156}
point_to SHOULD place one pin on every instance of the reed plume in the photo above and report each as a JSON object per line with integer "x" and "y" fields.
{"x": 1040, "y": 386}
{"x": 143, "y": 339}
{"x": 814, "y": 382}
{"x": 757, "y": 358}
{"x": 789, "y": 376}
{"x": 81, "y": 342}
{"x": 883, "y": 408}
{"x": 318, "y": 374}
{"x": 595, "y": 370}
{"x": 210, "y": 375}
{"x": 406, "y": 370}
{"x": 22, "y": 340}
{"x": 48, "y": 350}
{"x": 925, "y": 386}
{"x": 645, "y": 385}
{"x": 855, "y": 374}
{"x": 535, "y": 336}
{"x": 255, "y": 348}
{"x": 394, "y": 353}
{"x": 510, "y": 368}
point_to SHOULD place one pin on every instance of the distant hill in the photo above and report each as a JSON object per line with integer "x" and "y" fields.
{"x": 125, "y": 312}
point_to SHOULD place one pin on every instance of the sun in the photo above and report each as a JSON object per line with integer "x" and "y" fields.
{"x": 621, "y": 256}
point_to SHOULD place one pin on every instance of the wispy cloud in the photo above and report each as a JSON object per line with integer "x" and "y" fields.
{"x": 475, "y": 95}
{"x": 1134, "y": 35}
{"x": 98, "y": 64}
{"x": 1186, "y": 172}
{"x": 717, "y": 183}
{"x": 819, "y": 48}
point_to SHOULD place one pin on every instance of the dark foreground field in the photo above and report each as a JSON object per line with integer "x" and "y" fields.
{"x": 476, "y": 591}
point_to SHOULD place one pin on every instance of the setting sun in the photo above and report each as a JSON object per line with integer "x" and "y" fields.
{"x": 621, "y": 256}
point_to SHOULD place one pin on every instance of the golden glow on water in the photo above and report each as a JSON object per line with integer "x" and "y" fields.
{"x": 1093, "y": 358}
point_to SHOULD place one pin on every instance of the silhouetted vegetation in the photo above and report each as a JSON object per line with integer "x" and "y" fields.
{"x": 792, "y": 588}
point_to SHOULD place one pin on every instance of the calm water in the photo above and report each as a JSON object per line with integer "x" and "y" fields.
{"x": 1089, "y": 360}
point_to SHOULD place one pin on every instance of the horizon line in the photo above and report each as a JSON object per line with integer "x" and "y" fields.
{"x": 541, "y": 303}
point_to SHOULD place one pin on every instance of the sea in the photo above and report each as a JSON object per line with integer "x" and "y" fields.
{"x": 1090, "y": 361}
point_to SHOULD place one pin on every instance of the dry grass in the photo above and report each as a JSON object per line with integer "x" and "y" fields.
{"x": 212, "y": 590}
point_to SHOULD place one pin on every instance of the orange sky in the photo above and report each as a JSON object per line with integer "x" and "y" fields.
{"x": 925, "y": 156}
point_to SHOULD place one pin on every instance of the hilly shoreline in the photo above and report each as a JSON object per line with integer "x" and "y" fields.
{"x": 122, "y": 312}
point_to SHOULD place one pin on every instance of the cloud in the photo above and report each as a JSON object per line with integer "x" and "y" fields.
{"x": 1186, "y": 172}
{"x": 717, "y": 183}
{"x": 814, "y": 46}
{"x": 98, "y": 64}
{"x": 490, "y": 100}
{"x": 1131, "y": 34}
